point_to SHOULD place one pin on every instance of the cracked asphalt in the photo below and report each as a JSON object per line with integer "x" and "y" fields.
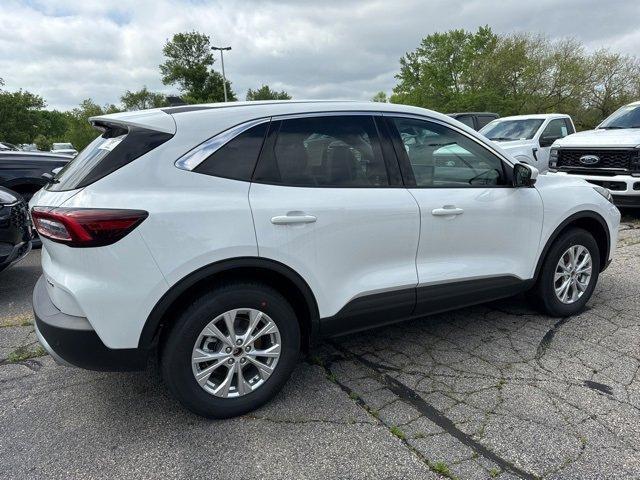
{"x": 492, "y": 391}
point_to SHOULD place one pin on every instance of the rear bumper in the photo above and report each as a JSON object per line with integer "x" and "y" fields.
{"x": 72, "y": 341}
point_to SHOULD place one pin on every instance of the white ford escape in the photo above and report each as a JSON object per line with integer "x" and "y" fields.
{"x": 227, "y": 237}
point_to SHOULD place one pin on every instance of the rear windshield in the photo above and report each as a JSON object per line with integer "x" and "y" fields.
{"x": 112, "y": 150}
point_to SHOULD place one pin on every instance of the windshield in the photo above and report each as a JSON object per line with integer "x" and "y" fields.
{"x": 505, "y": 130}
{"x": 625, "y": 117}
{"x": 61, "y": 146}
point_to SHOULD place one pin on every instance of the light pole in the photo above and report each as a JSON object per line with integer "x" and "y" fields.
{"x": 224, "y": 78}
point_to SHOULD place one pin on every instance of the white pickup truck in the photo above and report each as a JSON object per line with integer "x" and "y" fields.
{"x": 608, "y": 156}
{"x": 528, "y": 138}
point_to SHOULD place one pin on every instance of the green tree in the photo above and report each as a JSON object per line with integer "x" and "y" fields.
{"x": 80, "y": 132}
{"x": 19, "y": 114}
{"x": 142, "y": 99}
{"x": 446, "y": 71}
{"x": 515, "y": 74}
{"x": 43, "y": 143}
{"x": 380, "y": 97}
{"x": 265, "y": 93}
{"x": 189, "y": 65}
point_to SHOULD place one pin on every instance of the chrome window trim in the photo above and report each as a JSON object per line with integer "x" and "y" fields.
{"x": 199, "y": 154}
{"x": 190, "y": 160}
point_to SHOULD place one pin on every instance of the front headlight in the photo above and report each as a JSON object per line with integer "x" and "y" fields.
{"x": 604, "y": 192}
{"x": 553, "y": 158}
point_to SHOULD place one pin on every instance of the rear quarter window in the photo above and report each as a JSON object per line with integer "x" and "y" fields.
{"x": 112, "y": 150}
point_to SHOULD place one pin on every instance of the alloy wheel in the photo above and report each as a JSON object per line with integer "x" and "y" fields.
{"x": 236, "y": 353}
{"x": 572, "y": 274}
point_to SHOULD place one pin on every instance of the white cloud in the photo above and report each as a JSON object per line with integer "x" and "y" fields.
{"x": 68, "y": 50}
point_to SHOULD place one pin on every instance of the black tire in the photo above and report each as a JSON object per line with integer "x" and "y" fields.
{"x": 543, "y": 294}
{"x": 176, "y": 352}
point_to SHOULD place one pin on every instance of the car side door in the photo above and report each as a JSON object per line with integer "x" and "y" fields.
{"x": 479, "y": 235}
{"x": 555, "y": 129}
{"x": 328, "y": 202}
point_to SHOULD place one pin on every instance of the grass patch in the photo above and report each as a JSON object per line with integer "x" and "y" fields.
{"x": 16, "y": 321}
{"x": 332, "y": 378}
{"x": 21, "y": 354}
{"x": 494, "y": 472}
{"x": 442, "y": 468}
{"x": 419, "y": 435}
{"x": 397, "y": 432}
{"x": 354, "y": 396}
{"x": 501, "y": 383}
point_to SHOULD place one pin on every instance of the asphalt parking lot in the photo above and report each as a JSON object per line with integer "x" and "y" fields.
{"x": 493, "y": 391}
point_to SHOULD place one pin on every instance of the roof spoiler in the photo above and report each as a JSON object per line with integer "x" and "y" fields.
{"x": 155, "y": 120}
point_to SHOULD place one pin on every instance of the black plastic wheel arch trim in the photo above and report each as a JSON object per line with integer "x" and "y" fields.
{"x": 567, "y": 221}
{"x": 153, "y": 323}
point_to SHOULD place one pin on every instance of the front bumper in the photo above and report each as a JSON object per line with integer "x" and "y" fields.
{"x": 625, "y": 189}
{"x": 72, "y": 341}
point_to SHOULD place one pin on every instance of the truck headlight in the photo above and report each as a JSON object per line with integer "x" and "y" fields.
{"x": 553, "y": 158}
{"x": 604, "y": 192}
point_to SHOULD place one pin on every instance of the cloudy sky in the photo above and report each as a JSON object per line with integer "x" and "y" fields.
{"x": 68, "y": 50}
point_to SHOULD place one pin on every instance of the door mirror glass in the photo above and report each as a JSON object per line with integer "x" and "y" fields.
{"x": 524, "y": 175}
{"x": 548, "y": 141}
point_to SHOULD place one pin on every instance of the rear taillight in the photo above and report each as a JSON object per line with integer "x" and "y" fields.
{"x": 85, "y": 227}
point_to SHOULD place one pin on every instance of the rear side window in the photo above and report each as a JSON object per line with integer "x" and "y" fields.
{"x": 112, "y": 150}
{"x": 467, "y": 120}
{"x": 484, "y": 120}
{"x": 331, "y": 151}
{"x": 237, "y": 158}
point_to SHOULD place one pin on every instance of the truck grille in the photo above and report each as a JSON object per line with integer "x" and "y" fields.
{"x": 20, "y": 215}
{"x": 608, "y": 159}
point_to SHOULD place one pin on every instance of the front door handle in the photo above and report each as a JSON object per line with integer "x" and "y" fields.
{"x": 293, "y": 218}
{"x": 446, "y": 211}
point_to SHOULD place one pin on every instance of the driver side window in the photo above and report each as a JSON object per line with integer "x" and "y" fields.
{"x": 441, "y": 157}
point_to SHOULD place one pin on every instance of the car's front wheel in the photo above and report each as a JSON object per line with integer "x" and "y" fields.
{"x": 569, "y": 274}
{"x": 231, "y": 350}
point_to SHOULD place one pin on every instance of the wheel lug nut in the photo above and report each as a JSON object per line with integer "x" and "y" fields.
{"x": 242, "y": 360}
{"x": 231, "y": 360}
{"x": 247, "y": 349}
{"x": 228, "y": 350}
{"x": 239, "y": 342}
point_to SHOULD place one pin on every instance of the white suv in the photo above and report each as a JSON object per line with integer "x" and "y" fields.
{"x": 228, "y": 237}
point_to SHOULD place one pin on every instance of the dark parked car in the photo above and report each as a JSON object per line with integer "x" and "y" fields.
{"x": 22, "y": 171}
{"x": 475, "y": 120}
{"x": 15, "y": 228}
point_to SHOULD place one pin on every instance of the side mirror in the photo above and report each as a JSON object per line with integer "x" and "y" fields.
{"x": 55, "y": 171}
{"x": 524, "y": 175}
{"x": 547, "y": 141}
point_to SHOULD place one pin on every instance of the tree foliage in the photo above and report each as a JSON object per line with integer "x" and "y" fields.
{"x": 189, "y": 65}
{"x": 515, "y": 74}
{"x": 265, "y": 93}
{"x": 80, "y": 132}
{"x": 19, "y": 115}
{"x": 142, "y": 99}
{"x": 380, "y": 97}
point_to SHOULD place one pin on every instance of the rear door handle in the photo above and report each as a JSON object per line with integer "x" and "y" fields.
{"x": 446, "y": 211}
{"x": 293, "y": 218}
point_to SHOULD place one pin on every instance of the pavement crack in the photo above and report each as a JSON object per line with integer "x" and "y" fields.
{"x": 600, "y": 387}
{"x": 548, "y": 337}
{"x": 412, "y": 398}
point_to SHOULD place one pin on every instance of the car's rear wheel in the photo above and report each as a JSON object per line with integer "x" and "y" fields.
{"x": 231, "y": 350}
{"x": 569, "y": 274}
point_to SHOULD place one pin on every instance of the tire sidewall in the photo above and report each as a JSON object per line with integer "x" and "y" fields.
{"x": 176, "y": 357}
{"x": 562, "y": 244}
